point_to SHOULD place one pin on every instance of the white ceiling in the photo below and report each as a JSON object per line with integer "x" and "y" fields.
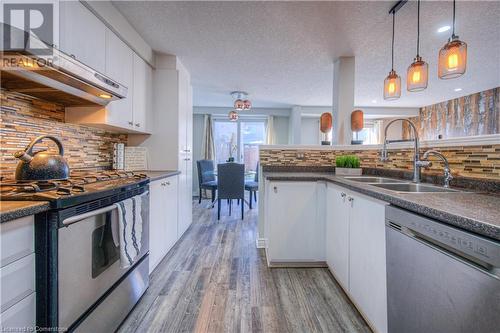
{"x": 282, "y": 53}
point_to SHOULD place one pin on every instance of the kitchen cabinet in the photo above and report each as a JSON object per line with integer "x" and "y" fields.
{"x": 356, "y": 250}
{"x": 172, "y": 131}
{"x": 337, "y": 234}
{"x": 163, "y": 218}
{"x": 82, "y": 35}
{"x": 142, "y": 93}
{"x": 17, "y": 273}
{"x": 128, "y": 115}
{"x": 295, "y": 230}
{"x": 120, "y": 67}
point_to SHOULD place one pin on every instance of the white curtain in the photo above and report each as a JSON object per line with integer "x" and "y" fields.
{"x": 270, "y": 135}
{"x": 208, "y": 145}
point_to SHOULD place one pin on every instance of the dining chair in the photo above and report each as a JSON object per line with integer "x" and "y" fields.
{"x": 230, "y": 185}
{"x": 252, "y": 186}
{"x": 206, "y": 177}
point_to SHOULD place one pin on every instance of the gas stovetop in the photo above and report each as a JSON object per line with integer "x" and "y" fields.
{"x": 80, "y": 187}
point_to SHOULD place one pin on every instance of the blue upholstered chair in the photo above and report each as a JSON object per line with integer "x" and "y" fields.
{"x": 252, "y": 186}
{"x": 230, "y": 185}
{"x": 206, "y": 177}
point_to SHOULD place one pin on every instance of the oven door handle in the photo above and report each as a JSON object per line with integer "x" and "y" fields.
{"x": 76, "y": 218}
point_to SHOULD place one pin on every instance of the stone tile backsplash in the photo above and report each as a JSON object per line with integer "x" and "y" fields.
{"x": 24, "y": 118}
{"x": 470, "y": 161}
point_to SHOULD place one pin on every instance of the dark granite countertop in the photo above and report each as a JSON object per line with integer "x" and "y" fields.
{"x": 476, "y": 212}
{"x": 10, "y": 210}
{"x": 159, "y": 174}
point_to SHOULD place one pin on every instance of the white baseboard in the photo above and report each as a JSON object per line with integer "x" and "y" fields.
{"x": 261, "y": 243}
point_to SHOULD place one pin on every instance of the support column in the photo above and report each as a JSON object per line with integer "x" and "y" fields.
{"x": 343, "y": 100}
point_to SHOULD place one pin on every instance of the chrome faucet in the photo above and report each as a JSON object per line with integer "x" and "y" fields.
{"x": 417, "y": 163}
{"x": 447, "y": 171}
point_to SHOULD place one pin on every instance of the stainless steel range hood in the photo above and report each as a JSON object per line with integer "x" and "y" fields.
{"x": 53, "y": 75}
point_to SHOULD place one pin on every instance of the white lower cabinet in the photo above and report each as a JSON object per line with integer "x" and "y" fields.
{"x": 17, "y": 274}
{"x": 356, "y": 250}
{"x": 295, "y": 229}
{"x": 163, "y": 218}
{"x": 337, "y": 234}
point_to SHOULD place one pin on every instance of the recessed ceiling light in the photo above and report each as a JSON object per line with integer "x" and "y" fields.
{"x": 458, "y": 89}
{"x": 374, "y": 101}
{"x": 444, "y": 28}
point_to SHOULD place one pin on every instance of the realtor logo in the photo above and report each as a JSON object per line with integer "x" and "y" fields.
{"x": 36, "y": 20}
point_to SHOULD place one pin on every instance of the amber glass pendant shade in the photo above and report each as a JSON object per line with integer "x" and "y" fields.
{"x": 357, "y": 121}
{"x": 392, "y": 86}
{"x": 418, "y": 75}
{"x": 325, "y": 122}
{"x": 452, "y": 59}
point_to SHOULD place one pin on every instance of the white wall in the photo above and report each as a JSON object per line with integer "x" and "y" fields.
{"x": 281, "y": 130}
{"x": 309, "y": 131}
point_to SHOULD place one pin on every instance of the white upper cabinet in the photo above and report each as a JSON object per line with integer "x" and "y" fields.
{"x": 82, "y": 35}
{"x": 142, "y": 97}
{"x": 119, "y": 67}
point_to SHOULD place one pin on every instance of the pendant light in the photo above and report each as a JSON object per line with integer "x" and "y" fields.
{"x": 392, "y": 83}
{"x": 418, "y": 72}
{"x": 452, "y": 56}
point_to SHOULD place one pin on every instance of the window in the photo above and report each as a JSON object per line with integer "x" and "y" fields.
{"x": 239, "y": 140}
{"x": 369, "y": 134}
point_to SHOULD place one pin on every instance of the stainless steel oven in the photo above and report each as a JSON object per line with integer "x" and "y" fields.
{"x": 94, "y": 292}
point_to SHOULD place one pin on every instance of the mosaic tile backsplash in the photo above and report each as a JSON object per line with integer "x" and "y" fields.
{"x": 481, "y": 162}
{"x": 476, "y": 114}
{"x": 24, "y": 118}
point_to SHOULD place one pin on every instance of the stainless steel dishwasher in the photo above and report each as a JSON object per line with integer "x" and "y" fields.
{"x": 440, "y": 278}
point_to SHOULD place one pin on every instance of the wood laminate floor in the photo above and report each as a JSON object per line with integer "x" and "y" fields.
{"x": 216, "y": 280}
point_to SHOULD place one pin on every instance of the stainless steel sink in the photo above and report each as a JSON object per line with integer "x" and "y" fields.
{"x": 374, "y": 180}
{"x": 414, "y": 188}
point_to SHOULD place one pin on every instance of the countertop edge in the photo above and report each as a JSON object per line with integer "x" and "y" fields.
{"x": 155, "y": 175}
{"x": 31, "y": 208}
{"x": 462, "y": 222}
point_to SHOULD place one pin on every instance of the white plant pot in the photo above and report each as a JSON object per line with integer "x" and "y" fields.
{"x": 348, "y": 171}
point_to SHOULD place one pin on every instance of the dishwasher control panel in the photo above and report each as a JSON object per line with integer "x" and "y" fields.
{"x": 443, "y": 235}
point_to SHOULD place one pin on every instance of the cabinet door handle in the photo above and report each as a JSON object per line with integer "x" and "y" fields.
{"x": 167, "y": 183}
{"x": 137, "y": 125}
{"x": 275, "y": 189}
{"x": 351, "y": 199}
{"x": 187, "y": 150}
{"x": 342, "y": 195}
{"x": 130, "y": 123}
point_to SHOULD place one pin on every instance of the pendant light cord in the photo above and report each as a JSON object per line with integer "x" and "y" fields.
{"x": 418, "y": 28}
{"x": 453, "y": 32}
{"x": 392, "y": 50}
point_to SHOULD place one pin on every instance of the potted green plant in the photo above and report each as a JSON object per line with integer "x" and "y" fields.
{"x": 347, "y": 165}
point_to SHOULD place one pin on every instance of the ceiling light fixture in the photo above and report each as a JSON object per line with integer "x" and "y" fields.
{"x": 444, "y": 28}
{"x": 233, "y": 115}
{"x": 452, "y": 56}
{"x": 241, "y": 100}
{"x": 418, "y": 72}
{"x": 392, "y": 83}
